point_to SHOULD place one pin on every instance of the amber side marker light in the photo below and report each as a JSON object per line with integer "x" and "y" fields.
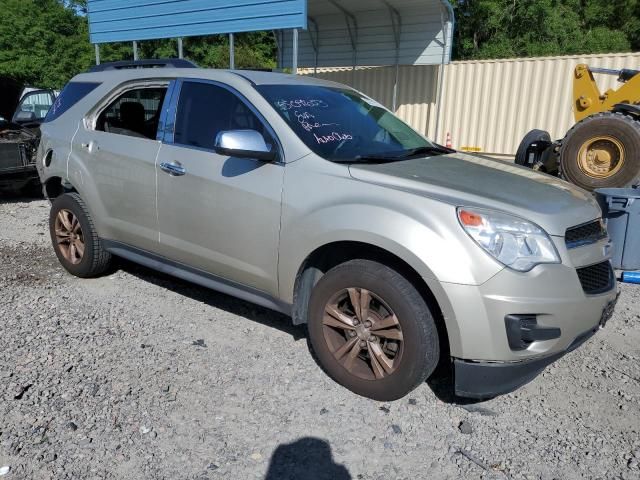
{"x": 470, "y": 219}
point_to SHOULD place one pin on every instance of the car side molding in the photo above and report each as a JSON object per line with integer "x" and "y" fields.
{"x": 199, "y": 277}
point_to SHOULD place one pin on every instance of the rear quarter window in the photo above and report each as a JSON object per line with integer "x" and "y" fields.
{"x": 70, "y": 95}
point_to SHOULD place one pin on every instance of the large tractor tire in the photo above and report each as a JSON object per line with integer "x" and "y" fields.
{"x": 602, "y": 151}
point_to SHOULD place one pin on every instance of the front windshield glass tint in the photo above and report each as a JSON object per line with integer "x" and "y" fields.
{"x": 341, "y": 124}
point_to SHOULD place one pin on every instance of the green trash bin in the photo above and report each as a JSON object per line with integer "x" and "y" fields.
{"x": 621, "y": 211}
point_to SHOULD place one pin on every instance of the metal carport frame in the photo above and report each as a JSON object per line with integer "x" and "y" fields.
{"x": 342, "y": 32}
{"x": 364, "y": 33}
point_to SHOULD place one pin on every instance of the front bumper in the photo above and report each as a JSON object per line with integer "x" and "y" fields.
{"x": 570, "y": 319}
{"x": 550, "y": 293}
{"x": 483, "y": 380}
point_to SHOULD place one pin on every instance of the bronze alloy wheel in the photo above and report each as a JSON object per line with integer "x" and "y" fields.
{"x": 363, "y": 333}
{"x": 69, "y": 237}
{"x": 601, "y": 156}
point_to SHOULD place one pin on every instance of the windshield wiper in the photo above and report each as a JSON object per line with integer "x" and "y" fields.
{"x": 366, "y": 159}
{"x": 399, "y": 155}
{"x": 434, "y": 149}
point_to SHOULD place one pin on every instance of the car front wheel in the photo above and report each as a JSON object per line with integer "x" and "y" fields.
{"x": 372, "y": 331}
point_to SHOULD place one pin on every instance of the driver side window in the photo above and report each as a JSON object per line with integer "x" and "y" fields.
{"x": 204, "y": 110}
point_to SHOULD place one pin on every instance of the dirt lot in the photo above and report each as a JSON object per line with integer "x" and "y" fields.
{"x": 137, "y": 375}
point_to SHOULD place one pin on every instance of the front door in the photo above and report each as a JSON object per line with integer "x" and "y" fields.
{"x": 219, "y": 214}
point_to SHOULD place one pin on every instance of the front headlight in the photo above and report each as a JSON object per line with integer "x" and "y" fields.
{"x": 513, "y": 241}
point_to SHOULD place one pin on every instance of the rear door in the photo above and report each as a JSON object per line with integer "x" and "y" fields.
{"x": 217, "y": 213}
{"x": 119, "y": 151}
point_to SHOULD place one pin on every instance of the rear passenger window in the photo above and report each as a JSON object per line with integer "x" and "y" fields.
{"x": 135, "y": 113}
{"x": 205, "y": 109}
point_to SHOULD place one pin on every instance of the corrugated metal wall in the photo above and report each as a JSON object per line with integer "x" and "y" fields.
{"x": 493, "y": 104}
{"x": 416, "y": 88}
{"x": 487, "y": 104}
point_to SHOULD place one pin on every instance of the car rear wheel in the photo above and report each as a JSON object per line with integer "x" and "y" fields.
{"x": 372, "y": 331}
{"x": 75, "y": 239}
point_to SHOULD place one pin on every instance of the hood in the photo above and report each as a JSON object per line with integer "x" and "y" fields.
{"x": 475, "y": 181}
{"x": 10, "y": 91}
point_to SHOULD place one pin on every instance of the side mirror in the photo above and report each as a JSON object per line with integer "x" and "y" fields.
{"x": 243, "y": 144}
{"x": 24, "y": 116}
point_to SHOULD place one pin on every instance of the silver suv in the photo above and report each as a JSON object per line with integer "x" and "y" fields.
{"x": 312, "y": 199}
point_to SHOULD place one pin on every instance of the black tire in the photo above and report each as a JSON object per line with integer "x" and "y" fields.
{"x": 621, "y": 127}
{"x": 419, "y": 352}
{"x": 95, "y": 260}
{"x": 531, "y": 137}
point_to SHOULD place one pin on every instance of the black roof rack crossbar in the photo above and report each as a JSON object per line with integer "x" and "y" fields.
{"x": 150, "y": 63}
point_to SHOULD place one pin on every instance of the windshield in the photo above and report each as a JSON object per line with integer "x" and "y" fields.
{"x": 340, "y": 124}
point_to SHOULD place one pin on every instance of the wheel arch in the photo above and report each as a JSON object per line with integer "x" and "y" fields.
{"x": 55, "y": 186}
{"x": 329, "y": 255}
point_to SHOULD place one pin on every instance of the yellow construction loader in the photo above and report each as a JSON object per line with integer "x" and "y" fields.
{"x": 602, "y": 149}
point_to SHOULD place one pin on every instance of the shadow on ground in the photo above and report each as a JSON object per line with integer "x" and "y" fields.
{"x": 215, "y": 299}
{"x": 441, "y": 381}
{"x": 30, "y": 195}
{"x": 307, "y": 458}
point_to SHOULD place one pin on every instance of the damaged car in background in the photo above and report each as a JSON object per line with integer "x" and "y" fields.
{"x": 22, "y": 110}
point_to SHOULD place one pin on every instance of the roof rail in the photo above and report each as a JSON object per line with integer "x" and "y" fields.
{"x": 149, "y": 63}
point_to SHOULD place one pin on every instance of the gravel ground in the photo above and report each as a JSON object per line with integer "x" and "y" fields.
{"x": 137, "y": 375}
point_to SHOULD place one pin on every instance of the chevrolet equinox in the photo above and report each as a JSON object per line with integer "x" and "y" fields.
{"x": 312, "y": 199}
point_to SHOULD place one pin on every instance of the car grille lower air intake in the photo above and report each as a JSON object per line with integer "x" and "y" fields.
{"x": 596, "y": 278}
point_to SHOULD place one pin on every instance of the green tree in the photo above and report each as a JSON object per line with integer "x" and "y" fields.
{"x": 42, "y": 42}
{"x": 46, "y": 42}
{"x": 514, "y": 28}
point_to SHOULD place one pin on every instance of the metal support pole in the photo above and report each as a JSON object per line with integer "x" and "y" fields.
{"x": 451, "y": 21}
{"x": 394, "y": 103}
{"x": 281, "y": 48}
{"x": 294, "y": 61}
{"x": 135, "y": 50}
{"x": 352, "y": 27}
{"x": 441, "y": 76}
{"x": 232, "y": 52}
{"x": 180, "y": 50}
{"x": 276, "y": 38}
{"x": 97, "y": 49}
{"x": 396, "y": 25}
{"x": 314, "y": 35}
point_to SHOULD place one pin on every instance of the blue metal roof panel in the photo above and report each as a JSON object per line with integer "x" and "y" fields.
{"x": 126, "y": 20}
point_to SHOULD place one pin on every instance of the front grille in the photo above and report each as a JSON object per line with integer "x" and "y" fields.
{"x": 10, "y": 156}
{"x": 597, "y": 278}
{"x": 584, "y": 234}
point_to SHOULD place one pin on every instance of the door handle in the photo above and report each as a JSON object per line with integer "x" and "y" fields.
{"x": 174, "y": 169}
{"x": 92, "y": 146}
